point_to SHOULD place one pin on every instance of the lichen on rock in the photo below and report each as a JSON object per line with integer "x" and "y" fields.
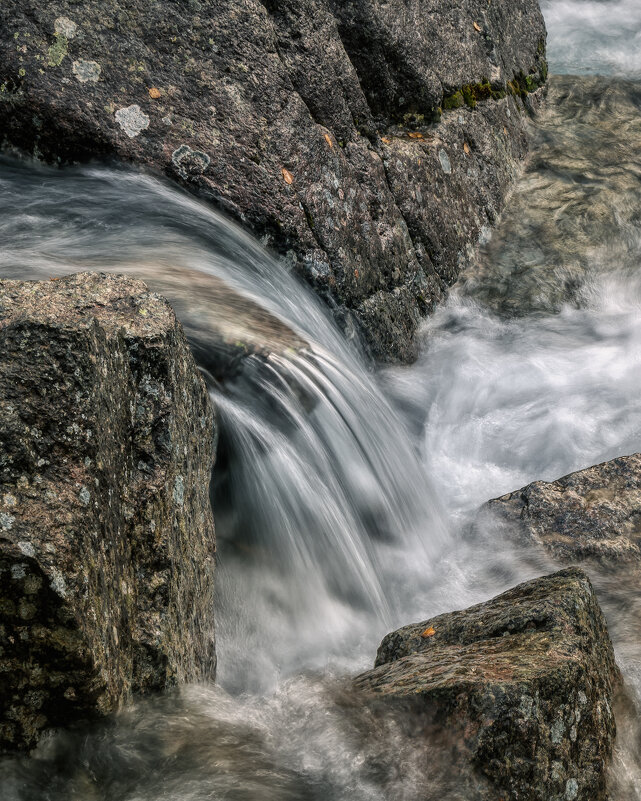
{"x": 520, "y": 689}
{"x": 250, "y": 88}
{"x": 106, "y": 575}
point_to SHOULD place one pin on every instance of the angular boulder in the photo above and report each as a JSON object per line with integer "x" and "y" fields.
{"x": 106, "y": 533}
{"x": 520, "y": 688}
{"x": 593, "y": 514}
{"x": 372, "y": 142}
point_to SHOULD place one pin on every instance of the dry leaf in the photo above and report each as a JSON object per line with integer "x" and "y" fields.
{"x": 505, "y": 130}
{"x": 477, "y": 27}
{"x": 289, "y": 178}
{"x": 386, "y": 140}
{"x": 416, "y": 135}
{"x": 355, "y": 273}
{"x": 429, "y": 632}
{"x": 466, "y": 148}
{"x": 328, "y": 139}
{"x": 154, "y": 93}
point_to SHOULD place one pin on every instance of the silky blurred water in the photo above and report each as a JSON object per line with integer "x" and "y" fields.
{"x": 343, "y": 496}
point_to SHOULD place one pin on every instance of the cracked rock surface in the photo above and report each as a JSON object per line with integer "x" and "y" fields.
{"x": 106, "y": 533}
{"x": 516, "y": 694}
{"x": 371, "y": 143}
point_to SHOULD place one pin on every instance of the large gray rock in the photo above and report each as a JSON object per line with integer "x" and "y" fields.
{"x": 106, "y": 534}
{"x": 520, "y": 689}
{"x": 373, "y": 142}
{"x": 592, "y": 514}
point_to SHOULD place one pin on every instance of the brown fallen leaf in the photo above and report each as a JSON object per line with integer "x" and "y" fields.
{"x": 154, "y": 93}
{"x": 505, "y": 130}
{"x": 429, "y": 632}
{"x": 289, "y": 178}
{"x": 386, "y": 140}
{"x": 328, "y": 139}
{"x": 466, "y": 148}
{"x": 477, "y": 27}
{"x": 416, "y": 135}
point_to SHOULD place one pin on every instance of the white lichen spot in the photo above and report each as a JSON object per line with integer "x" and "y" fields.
{"x": 557, "y": 730}
{"x": 189, "y": 162}
{"x": 152, "y": 525}
{"x": 6, "y": 521}
{"x": 74, "y": 428}
{"x": 63, "y": 26}
{"x": 41, "y": 462}
{"x": 132, "y": 120}
{"x": 179, "y": 490}
{"x": 573, "y": 734}
{"x": 58, "y": 583}
{"x": 87, "y": 461}
{"x": 9, "y": 499}
{"x": 18, "y": 572}
{"x": 446, "y": 164}
{"x": 85, "y": 496}
{"x": 27, "y": 548}
{"x": 571, "y": 789}
{"x": 86, "y": 71}
{"x": 583, "y": 699}
{"x": 525, "y": 707}
{"x": 485, "y": 234}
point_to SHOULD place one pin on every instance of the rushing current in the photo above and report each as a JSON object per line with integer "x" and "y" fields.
{"x": 343, "y": 496}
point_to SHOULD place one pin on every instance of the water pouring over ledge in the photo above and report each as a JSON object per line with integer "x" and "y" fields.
{"x": 496, "y": 400}
{"x": 318, "y": 482}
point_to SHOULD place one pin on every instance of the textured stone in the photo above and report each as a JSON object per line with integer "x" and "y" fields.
{"x": 592, "y": 514}
{"x": 106, "y": 534}
{"x": 371, "y": 142}
{"x": 520, "y": 688}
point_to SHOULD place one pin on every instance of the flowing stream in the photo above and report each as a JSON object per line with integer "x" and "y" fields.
{"x": 342, "y": 496}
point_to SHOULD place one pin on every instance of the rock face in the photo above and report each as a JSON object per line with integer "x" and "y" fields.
{"x": 591, "y": 514}
{"x": 521, "y": 687}
{"x": 106, "y": 534}
{"x": 372, "y": 142}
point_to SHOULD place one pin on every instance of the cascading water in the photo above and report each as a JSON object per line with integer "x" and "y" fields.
{"x": 342, "y": 497}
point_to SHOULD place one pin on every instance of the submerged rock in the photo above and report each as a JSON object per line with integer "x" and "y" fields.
{"x": 520, "y": 689}
{"x": 373, "y": 143}
{"x": 106, "y": 533}
{"x": 592, "y": 514}
{"x": 223, "y": 326}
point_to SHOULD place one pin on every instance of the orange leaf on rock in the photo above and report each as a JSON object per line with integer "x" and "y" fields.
{"x": 416, "y": 135}
{"x": 429, "y": 632}
{"x": 328, "y": 139}
{"x": 466, "y": 148}
{"x": 386, "y": 140}
{"x": 477, "y": 27}
{"x": 154, "y": 93}
{"x": 289, "y": 178}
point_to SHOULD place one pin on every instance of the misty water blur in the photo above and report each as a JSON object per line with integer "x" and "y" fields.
{"x": 344, "y": 496}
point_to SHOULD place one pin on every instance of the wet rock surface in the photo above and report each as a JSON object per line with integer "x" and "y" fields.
{"x": 592, "y": 514}
{"x": 520, "y": 689}
{"x": 106, "y": 534}
{"x": 224, "y": 328}
{"x": 371, "y": 143}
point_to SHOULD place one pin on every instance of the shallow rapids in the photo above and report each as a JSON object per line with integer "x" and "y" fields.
{"x": 343, "y": 497}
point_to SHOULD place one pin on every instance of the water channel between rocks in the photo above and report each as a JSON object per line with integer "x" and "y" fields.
{"x": 343, "y": 498}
